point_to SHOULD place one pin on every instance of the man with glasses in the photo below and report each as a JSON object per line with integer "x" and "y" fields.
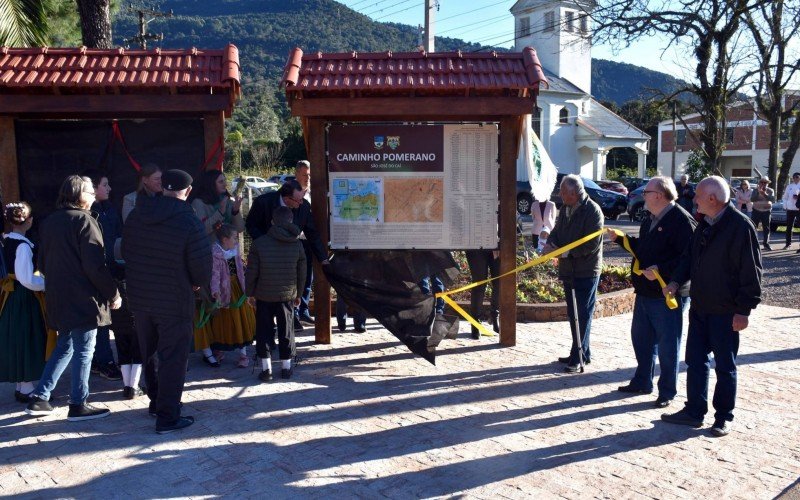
{"x": 291, "y": 195}
{"x": 723, "y": 262}
{"x": 790, "y": 198}
{"x": 762, "y": 198}
{"x": 656, "y": 329}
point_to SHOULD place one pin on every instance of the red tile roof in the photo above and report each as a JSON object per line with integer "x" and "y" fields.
{"x": 398, "y": 73}
{"x": 82, "y": 69}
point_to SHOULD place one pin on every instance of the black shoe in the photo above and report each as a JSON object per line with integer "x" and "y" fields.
{"x": 476, "y": 335}
{"x": 633, "y": 390}
{"x": 131, "y": 392}
{"x": 78, "y": 413}
{"x": 798, "y": 250}
{"x": 342, "y": 326}
{"x": 38, "y": 407}
{"x": 297, "y": 324}
{"x": 306, "y": 319}
{"x": 287, "y": 372}
{"x": 787, "y": 246}
{"x": 22, "y": 398}
{"x": 573, "y": 369}
{"x": 359, "y": 329}
{"x": 265, "y": 376}
{"x": 720, "y": 428}
{"x": 496, "y": 323}
{"x": 662, "y": 402}
{"x": 109, "y": 371}
{"x": 182, "y": 423}
{"x": 564, "y": 360}
{"x": 767, "y": 246}
{"x": 212, "y": 364}
{"x": 682, "y": 418}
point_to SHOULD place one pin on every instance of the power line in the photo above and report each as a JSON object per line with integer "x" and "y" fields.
{"x": 504, "y": 17}
{"x": 382, "y": 8}
{"x": 359, "y": 3}
{"x": 399, "y": 11}
{"x": 470, "y": 11}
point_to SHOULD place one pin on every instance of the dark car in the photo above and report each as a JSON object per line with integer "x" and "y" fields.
{"x": 615, "y": 186}
{"x": 778, "y": 217}
{"x": 636, "y": 209}
{"x": 612, "y": 204}
{"x": 632, "y": 183}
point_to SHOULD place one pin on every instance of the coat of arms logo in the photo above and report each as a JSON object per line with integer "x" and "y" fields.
{"x": 378, "y": 141}
{"x": 393, "y": 141}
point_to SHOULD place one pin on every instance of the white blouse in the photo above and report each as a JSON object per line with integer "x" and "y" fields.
{"x": 23, "y": 265}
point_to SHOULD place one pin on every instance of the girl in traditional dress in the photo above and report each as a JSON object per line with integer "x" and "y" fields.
{"x": 23, "y": 334}
{"x": 234, "y": 325}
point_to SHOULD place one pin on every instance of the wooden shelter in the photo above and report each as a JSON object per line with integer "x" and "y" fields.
{"x": 65, "y": 89}
{"x": 416, "y": 87}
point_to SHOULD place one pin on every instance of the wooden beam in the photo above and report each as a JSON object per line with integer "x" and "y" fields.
{"x": 509, "y": 142}
{"x": 434, "y": 108}
{"x": 315, "y": 138}
{"x": 213, "y": 129}
{"x": 9, "y": 173}
{"x": 53, "y": 104}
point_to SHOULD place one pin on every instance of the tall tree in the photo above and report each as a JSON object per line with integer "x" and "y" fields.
{"x": 24, "y": 23}
{"x": 773, "y": 26}
{"x": 95, "y": 23}
{"x": 711, "y": 29}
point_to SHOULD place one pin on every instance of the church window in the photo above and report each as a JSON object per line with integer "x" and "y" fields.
{"x": 570, "y": 20}
{"x": 524, "y": 27}
{"x": 563, "y": 115}
{"x": 585, "y": 23}
{"x": 549, "y": 21}
{"x": 680, "y": 138}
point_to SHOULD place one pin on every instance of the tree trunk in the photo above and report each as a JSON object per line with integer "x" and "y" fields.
{"x": 774, "y": 142}
{"x": 95, "y": 23}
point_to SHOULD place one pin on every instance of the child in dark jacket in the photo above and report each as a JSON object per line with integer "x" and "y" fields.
{"x": 274, "y": 280}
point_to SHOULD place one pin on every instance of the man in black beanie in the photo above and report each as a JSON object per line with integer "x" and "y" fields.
{"x": 161, "y": 291}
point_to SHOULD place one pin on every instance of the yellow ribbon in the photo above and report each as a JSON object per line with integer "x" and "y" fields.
{"x": 672, "y": 302}
{"x": 534, "y": 262}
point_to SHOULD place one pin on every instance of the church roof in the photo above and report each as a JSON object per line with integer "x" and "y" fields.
{"x": 603, "y": 122}
{"x": 558, "y": 84}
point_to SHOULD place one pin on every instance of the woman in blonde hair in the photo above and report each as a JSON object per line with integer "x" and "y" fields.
{"x": 23, "y": 335}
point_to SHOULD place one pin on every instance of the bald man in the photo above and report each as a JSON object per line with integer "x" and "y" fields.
{"x": 723, "y": 262}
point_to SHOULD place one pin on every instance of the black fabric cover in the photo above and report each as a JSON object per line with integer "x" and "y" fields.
{"x": 385, "y": 284}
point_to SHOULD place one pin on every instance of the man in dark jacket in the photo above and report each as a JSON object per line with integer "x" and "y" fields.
{"x": 579, "y": 268}
{"x": 276, "y": 273}
{"x": 656, "y": 329}
{"x": 167, "y": 255}
{"x": 291, "y": 195}
{"x": 80, "y": 289}
{"x": 723, "y": 262}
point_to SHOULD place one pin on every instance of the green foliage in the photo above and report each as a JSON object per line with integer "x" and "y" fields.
{"x": 697, "y": 166}
{"x": 24, "y": 23}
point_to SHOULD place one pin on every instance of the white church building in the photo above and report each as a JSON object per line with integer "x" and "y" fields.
{"x": 576, "y": 130}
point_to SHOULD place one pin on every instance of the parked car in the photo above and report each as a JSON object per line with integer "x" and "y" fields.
{"x": 632, "y": 183}
{"x": 636, "y": 210}
{"x": 778, "y": 217}
{"x": 610, "y": 202}
{"x": 251, "y": 182}
{"x": 615, "y": 186}
{"x": 280, "y": 179}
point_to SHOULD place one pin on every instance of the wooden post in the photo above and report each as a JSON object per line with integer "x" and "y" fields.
{"x": 315, "y": 139}
{"x": 9, "y": 175}
{"x": 509, "y": 143}
{"x": 213, "y": 129}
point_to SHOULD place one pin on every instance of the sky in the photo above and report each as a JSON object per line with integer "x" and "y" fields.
{"x": 490, "y": 22}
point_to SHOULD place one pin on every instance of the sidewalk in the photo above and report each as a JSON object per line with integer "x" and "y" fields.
{"x": 363, "y": 418}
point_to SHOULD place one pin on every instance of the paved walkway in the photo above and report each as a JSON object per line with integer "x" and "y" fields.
{"x": 363, "y": 418}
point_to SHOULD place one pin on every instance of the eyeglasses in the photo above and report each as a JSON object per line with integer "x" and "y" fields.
{"x": 650, "y": 191}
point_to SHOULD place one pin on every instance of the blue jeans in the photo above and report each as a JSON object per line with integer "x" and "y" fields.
{"x": 585, "y": 294}
{"x": 656, "y": 331}
{"x": 711, "y": 333}
{"x": 102, "y": 349}
{"x": 438, "y": 286}
{"x": 305, "y": 298}
{"x": 76, "y": 346}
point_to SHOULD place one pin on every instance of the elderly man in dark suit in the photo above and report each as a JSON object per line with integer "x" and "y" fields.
{"x": 291, "y": 195}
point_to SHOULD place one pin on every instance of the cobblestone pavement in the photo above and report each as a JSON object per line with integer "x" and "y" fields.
{"x": 363, "y": 418}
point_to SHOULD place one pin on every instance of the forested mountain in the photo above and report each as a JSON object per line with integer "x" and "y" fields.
{"x": 619, "y": 82}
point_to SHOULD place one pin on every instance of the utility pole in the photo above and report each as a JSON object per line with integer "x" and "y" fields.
{"x": 143, "y": 35}
{"x": 430, "y": 20}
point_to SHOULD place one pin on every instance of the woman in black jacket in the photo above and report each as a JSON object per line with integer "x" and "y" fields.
{"x": 79, "y": 291}
{"x": 130, "y": 360}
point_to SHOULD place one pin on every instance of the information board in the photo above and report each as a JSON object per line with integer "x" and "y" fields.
{"x": 413, "y": 186}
